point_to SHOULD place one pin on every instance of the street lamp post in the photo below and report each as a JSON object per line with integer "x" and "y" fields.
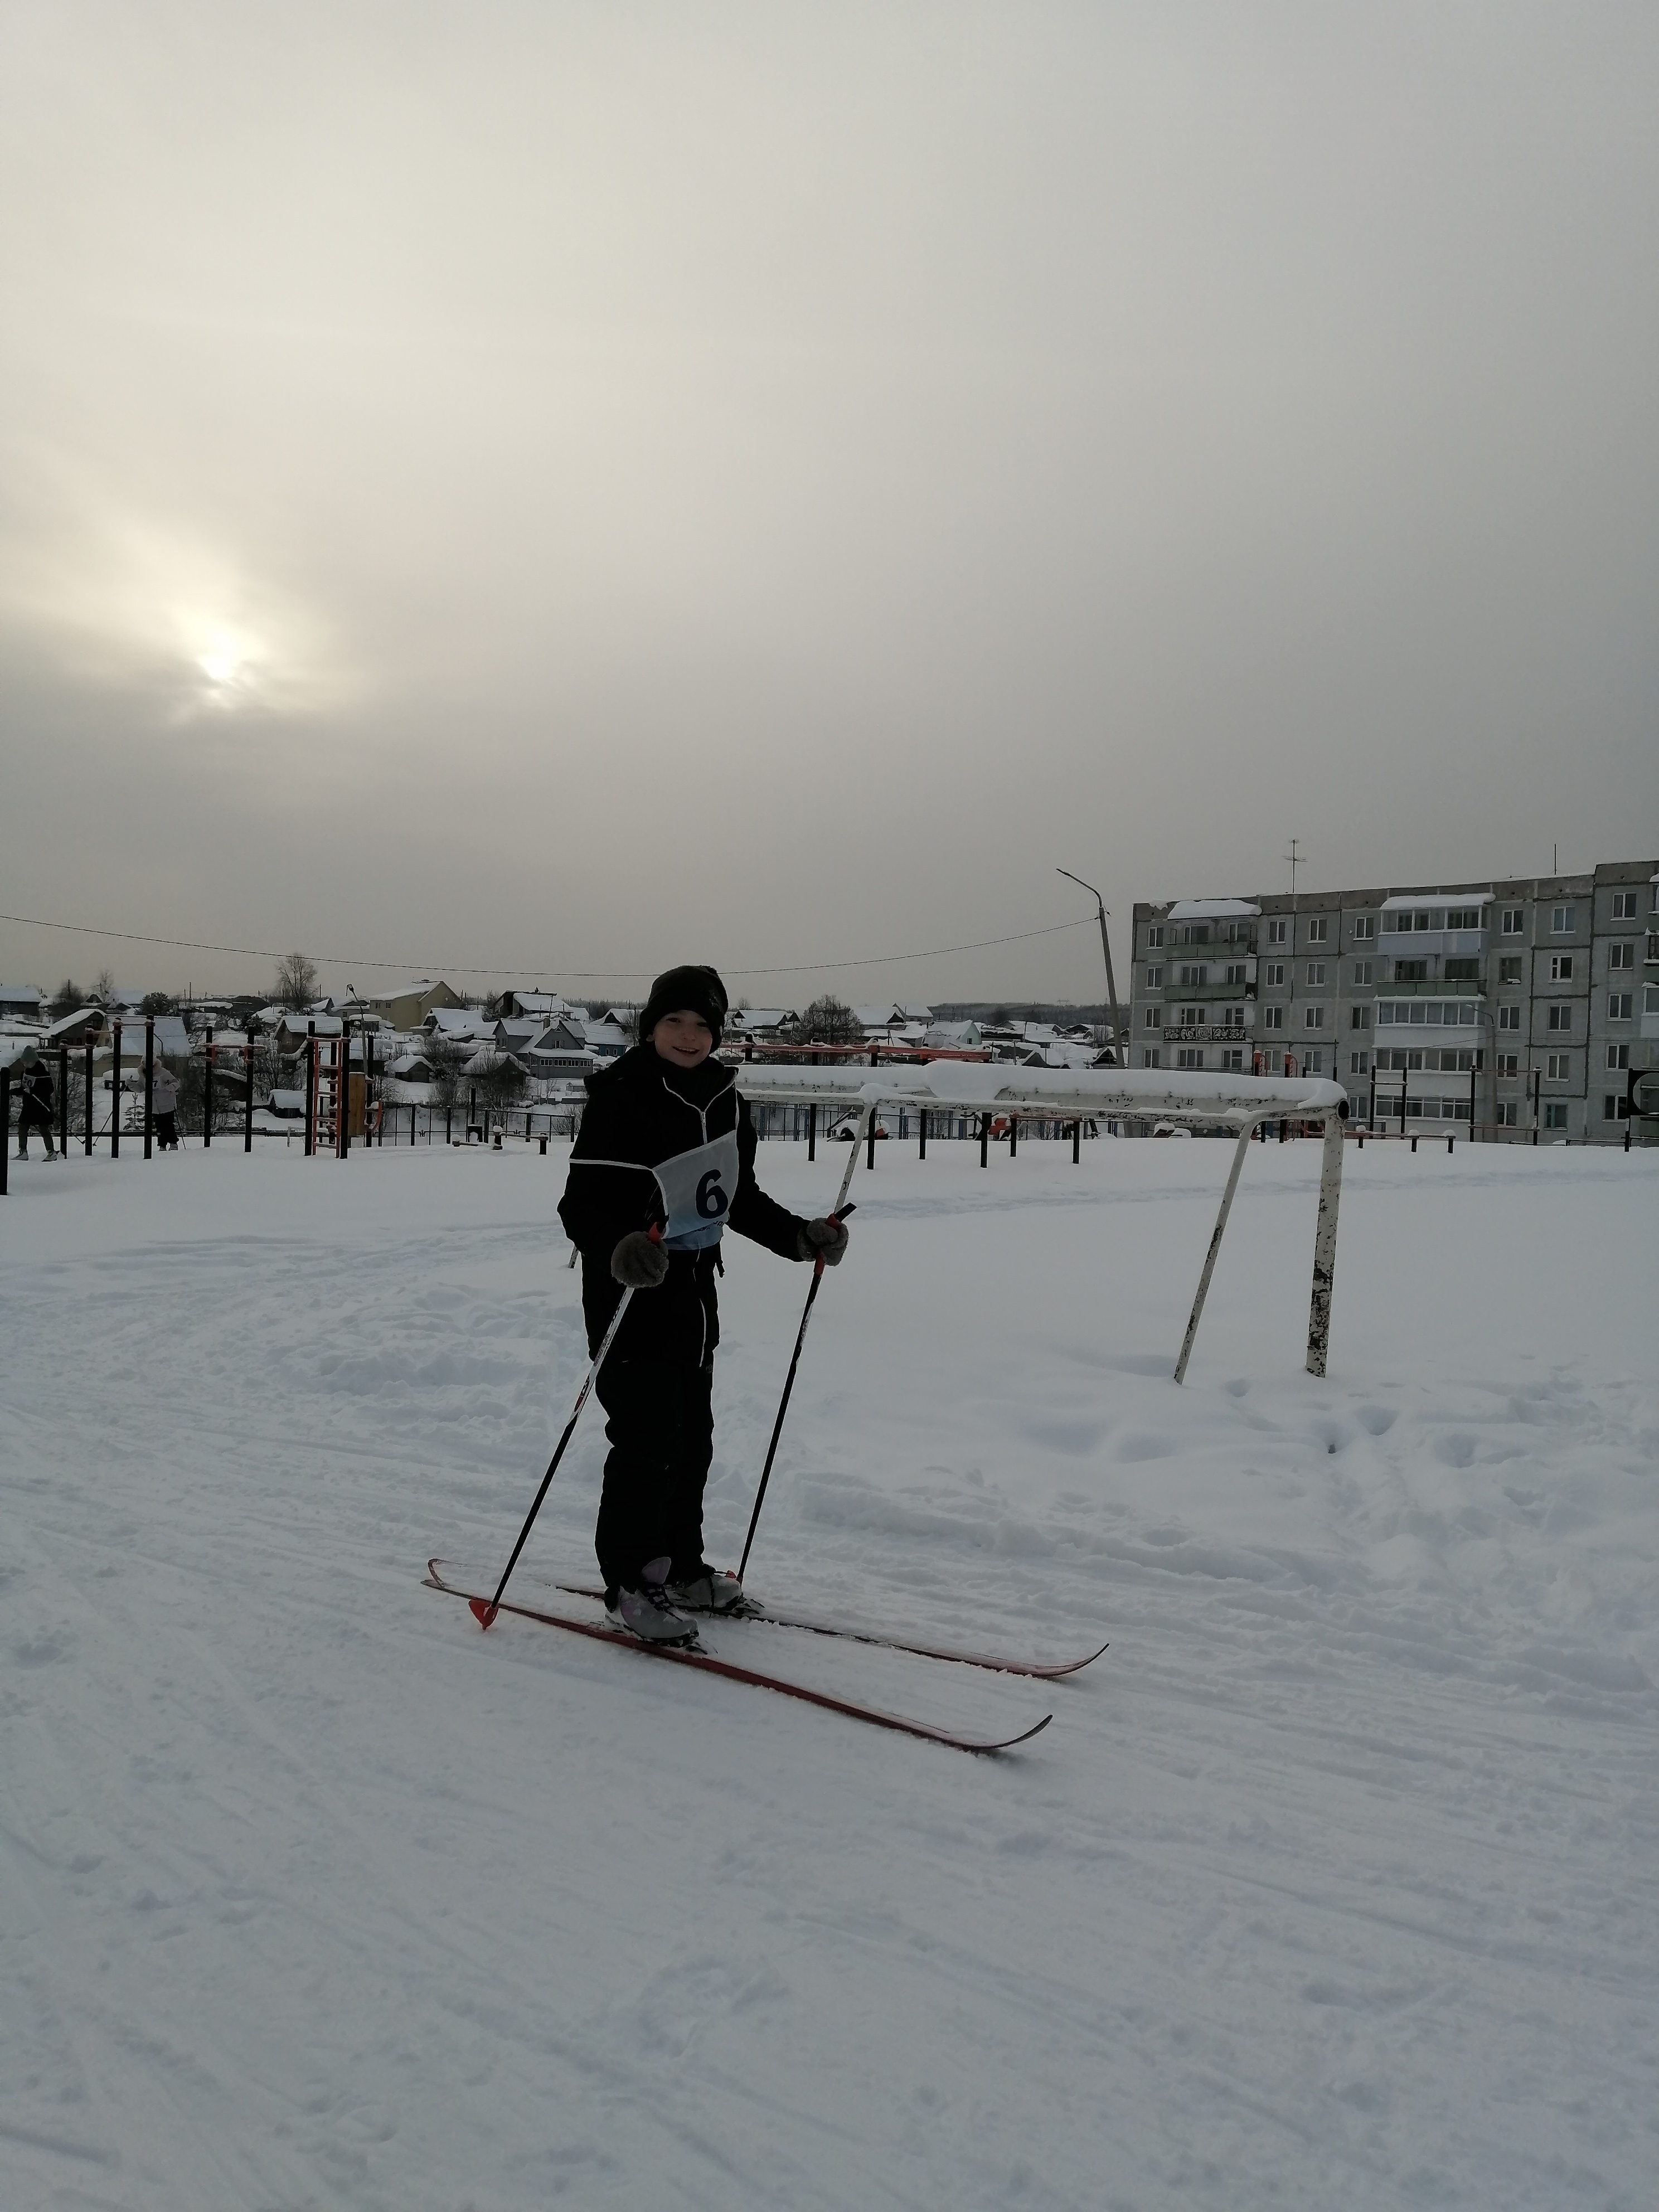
{"x": 1106, "y": 947}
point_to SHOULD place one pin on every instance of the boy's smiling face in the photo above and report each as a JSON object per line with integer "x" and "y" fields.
{"x": 684, "y": 1039}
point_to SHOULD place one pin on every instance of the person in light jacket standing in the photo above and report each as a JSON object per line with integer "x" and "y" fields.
{"x": 166, "y": 1108}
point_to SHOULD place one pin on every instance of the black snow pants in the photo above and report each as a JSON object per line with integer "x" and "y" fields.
{"x": 661, "y": 1427}
{"x": 31, "y": 1115}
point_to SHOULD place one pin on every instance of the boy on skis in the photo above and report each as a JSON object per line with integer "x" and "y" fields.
{"x": 666, "y": 1141}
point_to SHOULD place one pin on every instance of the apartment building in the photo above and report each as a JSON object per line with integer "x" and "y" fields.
{"x": 1528, "y": 1002}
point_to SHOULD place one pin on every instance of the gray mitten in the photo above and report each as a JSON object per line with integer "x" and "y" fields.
{"x": 823, "y": 1239}
{"x": 639, "y": 1262}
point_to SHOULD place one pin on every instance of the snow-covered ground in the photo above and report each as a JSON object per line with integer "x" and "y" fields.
{"x": 1336, "y": 1883}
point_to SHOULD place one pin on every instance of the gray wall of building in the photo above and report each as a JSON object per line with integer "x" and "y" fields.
{"x": 1548, "y": 1004}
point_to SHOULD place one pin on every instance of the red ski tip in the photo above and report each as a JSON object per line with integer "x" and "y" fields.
{"x": 482, "y": 1610}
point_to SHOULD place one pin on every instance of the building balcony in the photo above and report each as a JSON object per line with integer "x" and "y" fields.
{"x": 1434, "y": 988}
{"x": 1208, "y": 936}
{"x": 1190, "y": 993}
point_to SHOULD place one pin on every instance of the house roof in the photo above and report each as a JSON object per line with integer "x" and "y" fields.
{"x": 1401, "y": 900}
{"x": 1213, "y": 909}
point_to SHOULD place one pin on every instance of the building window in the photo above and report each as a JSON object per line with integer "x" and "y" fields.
{"x": 1560, "y": 967}
{"x": 1313, "y": 1017}
{"x": 1189, "y": 1017}
{"x": 1154, "y": 938}
{"x": 1149, "y": 1056}
{"x": 1513, "y": 918}
{"x": 1276, "y": 931}
{"x": 1234, "y": 1060}
{"x": 1275, "y": 975}
{"x": 1362, "y": 971}
{"x": 1555, "y": 1114}
{"x": 1359, "y": 1017}
{"x": 1508, "y": 971}
{"x": 1411, "y": 971}
{"x": 1564, "y": 919}
{"x": 1560, "y": 1018}
{"x": 1509, "y": 1113}
{"x": 1273, "y": 1017}
{"x": 1557, "y": 1068}
{"x": 1618, "y": 1056}
{"x": 1463, "y": 917}
{"x": 1315, "y": 971}
{"x": 1615, "y": 1108}
{"x": 1509, "y": 1063}
{"x": 1364, "y": 924}
{"x": 1237, "y": 972}
{"x": 1319, "y": 930}
{"x": 1194, "y": 978}
{"x": 1155, "y": 979}
{"x": 1624, "y": 906}
{"x": 1619, "y": 1004}
{"x": 1189, "y": 1055}
{"x": 1313, "y": 1063}
{"x": 1358, "y": 1062}
{"x": 1150, "y": 1017}
{"x": 1509, "y": 1017}
{"x": 1622, "y": 955}
{"x": 1463, "y": 971}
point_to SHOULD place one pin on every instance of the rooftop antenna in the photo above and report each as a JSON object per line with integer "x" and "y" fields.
{"x": 1555, "y": 860}
{"x": 1296, "y": 860}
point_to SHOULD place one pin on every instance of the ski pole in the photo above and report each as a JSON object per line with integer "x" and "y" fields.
{"x": 485, "y": 1614}
{"x": 841, "y": 1210}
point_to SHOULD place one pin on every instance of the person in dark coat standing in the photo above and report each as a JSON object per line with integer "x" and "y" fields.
{"x": 667, "y": 1142}
{"x": 39, "y": 1095}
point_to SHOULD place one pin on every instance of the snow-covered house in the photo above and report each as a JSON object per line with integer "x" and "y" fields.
{"x": 893, "y": 1020}
{"x": 763, "y": 1023}
{"x": 533, "y": 1005}
{"x": 606, "y": 1038}
{"x": 21, "y": 1002}
{"x": 75, "y": 1029}
{"x": 458, "y": 1025}
{"x": 292, "y": 1029}
{"x": 407, "y": 1007}
{"x": 172, "y": 1041}
{"x": 955, "y": 1037}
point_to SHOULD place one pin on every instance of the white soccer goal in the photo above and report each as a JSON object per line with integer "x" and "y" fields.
{"x": 1108, "y": 1094}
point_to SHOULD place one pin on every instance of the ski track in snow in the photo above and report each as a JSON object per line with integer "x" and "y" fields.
{"x": 1335, "y": 1882}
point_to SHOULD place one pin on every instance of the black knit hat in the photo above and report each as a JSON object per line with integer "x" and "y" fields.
{"x": 695, "y": 990}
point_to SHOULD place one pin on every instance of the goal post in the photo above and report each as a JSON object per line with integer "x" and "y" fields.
{"x": 1191, "y": 1098}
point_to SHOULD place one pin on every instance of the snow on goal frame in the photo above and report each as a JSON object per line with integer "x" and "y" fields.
{"x": 1114, "y": 1094}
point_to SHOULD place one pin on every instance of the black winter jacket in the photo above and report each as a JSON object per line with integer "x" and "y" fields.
{"x": 674, "y": 1146}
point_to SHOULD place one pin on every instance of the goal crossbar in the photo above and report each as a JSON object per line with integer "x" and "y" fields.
{"x": 1240, "y": 1102}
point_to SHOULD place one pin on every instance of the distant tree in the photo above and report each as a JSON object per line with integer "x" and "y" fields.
{"x": 158, "y": 1002}
{"x": 499, "y": 1080}
{"x": 68, "y": 999}
{"x": 103, "y": 985}
{"x": 446, "y": 1058}
{"x": 296, "y": 981}
{"x": 827, "y": 1020}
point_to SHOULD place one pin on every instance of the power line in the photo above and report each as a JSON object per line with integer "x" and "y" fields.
{"x": 573, "y": 975}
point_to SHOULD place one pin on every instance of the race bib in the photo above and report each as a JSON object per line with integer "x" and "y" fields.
{"x": 697, "y": 1190}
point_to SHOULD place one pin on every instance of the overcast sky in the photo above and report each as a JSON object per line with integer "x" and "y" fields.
{"x": 564, "y": 489}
